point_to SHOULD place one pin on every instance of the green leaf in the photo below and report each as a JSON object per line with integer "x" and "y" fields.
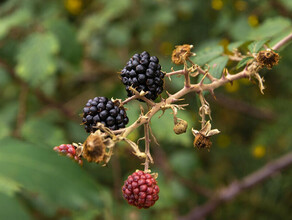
{"x": 163, "y": 128}
{"x": 40, "y": 130}
{"x": 58, "y": 180}
{"x": 208, "y": 54}
{"x": 216, "y": 69}
{"x": 66, "y": 35}
{"x": 270, "y": 28}
{"x": 95, "y": 22}
{"x": 239, "y": 29}
{"x": 10, "y": 208}
{"x": 7, "y": 117}
{"x": 255, "y": 46}
{"x": 8, "y": 186}
{"x": 35, "y": 60}
{"x": 4, "y": 77}
{"x": 243, "y": 62}
{"x": 17, "y": 18}
{"x": 235, "y": 45}
{"x": 287, "y": 3}
{"x": 217, "y": 66}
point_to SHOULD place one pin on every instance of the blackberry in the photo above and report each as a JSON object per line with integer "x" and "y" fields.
{"x": 143, "y": 72}
{"x": 70, "y": 151}
{"x": 141, "y": 190}
{"x": 105, "y": 111}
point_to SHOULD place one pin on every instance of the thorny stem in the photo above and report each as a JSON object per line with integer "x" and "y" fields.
{"x": 187, "y": 76}
{"x": 178, "y": 72}
{"x": 236, "y": 187}
{"x": 198, "y": 88}
{"x": 282, "y": 42}
{"x": 202, "y": 112}
{"x": 147, "y": 146}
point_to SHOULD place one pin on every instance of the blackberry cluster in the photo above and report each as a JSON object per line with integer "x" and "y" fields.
{"x": 70, "y": 151}
{"x": 141, "y": 190}
{"x": 143, "y": 72}
{"x": 105, "y": 111}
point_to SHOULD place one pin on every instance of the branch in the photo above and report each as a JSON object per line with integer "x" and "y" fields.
{"x": 281, "y": 43}
{"x": 237, "y": 187}
{"x": 147, "y": 148}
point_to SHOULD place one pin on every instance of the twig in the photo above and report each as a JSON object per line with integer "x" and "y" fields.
{"x": 147, "y": 147}
{"x": 178, "y": 72}
{"x": 237, "y": 187}
{"x": 22, "y": 109}
{"x": 285, "y": 40}
{"x": 129, "y": 99}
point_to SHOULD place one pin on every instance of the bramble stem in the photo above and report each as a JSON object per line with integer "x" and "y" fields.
{"x": 198, "y": 88}
{"x": 236, "y": 187}
{"x": 147, "y": 146}
{"x": 281, "y": 43}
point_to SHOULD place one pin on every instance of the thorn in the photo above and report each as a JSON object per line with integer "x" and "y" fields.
{"x": 213, "y": 94}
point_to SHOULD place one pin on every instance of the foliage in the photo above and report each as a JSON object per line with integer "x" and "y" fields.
{"x": 55, "y": 55}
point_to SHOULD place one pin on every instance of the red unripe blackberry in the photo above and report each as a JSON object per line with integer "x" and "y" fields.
{"x": 141, "y": 190}
{"x": 143, "y": 72}
{"x": 105, "y": 111}
{"x": 70, "y": 151}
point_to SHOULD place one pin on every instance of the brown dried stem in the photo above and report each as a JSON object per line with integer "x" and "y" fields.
{"x": 237, "y": 187}
{"x": 147, "y": 147}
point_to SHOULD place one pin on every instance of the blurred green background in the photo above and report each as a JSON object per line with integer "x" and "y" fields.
{"x": 56, "y": 54}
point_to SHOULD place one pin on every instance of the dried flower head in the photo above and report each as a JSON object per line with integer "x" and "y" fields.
{"x": 202, "y": 139}
{"x": 267, "y": 58}
{"x": 95, "y": 147}
{"x": 181, "y": 53}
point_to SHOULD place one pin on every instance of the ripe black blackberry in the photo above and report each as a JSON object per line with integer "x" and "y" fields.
{"x": 143, "y": 72}
{"x": 105, "y": 111}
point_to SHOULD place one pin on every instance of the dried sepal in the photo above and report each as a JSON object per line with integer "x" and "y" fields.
{"x": 181, "y": 53}
{"x": 267, "y": 58}
{"x": 135, "y": 148}
{"x": 261, "y": 81}
{"x": 98, "y": 147}
{"x": 202, "y": 137}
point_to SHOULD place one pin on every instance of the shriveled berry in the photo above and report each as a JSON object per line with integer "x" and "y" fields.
{"x": 70, "y": 151}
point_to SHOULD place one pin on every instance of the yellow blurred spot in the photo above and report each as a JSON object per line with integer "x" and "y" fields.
{"x": 232, "y": 88}
{"x": 223, "y": 140}
{"x": 259, "y": 151}
{"x": 74, "y": 6}
{"x": 244, "y": 81}
{"x": 240, "y": 5}
{"x": 253, "y": 20}
{"x": 166, "y": 48}
{"x": 224, "y": 42}
{"x": 159, "y": 29}
{"x": 183, "y": 15}
{"x": 217, "y": 4}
